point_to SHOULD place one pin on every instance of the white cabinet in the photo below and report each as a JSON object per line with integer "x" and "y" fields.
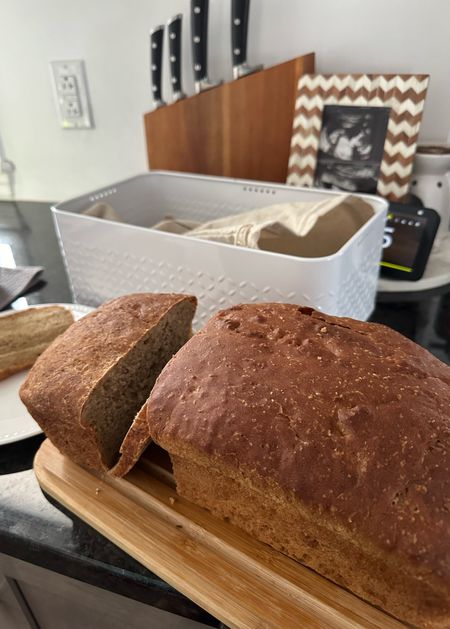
{"x": 34, "y": 598}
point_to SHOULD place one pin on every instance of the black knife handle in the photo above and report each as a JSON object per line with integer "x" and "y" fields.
{"x": 174, "y": 31}
{"x": 239, "y": 26}
{"x": 199, "y": 33}
{"x": 156, "y": 50}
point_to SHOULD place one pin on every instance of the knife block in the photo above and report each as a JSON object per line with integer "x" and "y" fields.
{"x": 240, "y": 129}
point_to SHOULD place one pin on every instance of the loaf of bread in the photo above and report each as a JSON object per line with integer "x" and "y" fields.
{"x": 24, "y": 335}
{"x": 87, "y": 387}
{"x": 325, "y": 437}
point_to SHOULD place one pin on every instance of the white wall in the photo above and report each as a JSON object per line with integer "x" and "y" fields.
{"x": 112, "y": 37}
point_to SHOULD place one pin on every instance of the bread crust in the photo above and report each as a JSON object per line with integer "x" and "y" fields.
{"x": 63, "y": 377}
{"x": 349, "y": 418}
{"x": 135, "y": 441}
{"x": 5, "y": 373}
{"x": 29, "y": 315}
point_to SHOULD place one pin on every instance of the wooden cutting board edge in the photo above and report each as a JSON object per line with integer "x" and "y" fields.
{"x": 197, "y": 554}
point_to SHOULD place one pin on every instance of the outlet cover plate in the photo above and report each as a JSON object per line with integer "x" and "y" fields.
{"x": 71, "y": 94}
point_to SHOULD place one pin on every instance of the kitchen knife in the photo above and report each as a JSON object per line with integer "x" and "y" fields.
{"x": 239, "y": 27}
{"x": 199, "y": 33}
{"x": 156, "y": 48}
{"x": 174, "y": 31}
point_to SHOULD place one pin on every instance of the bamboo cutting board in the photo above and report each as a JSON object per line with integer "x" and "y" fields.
{"x": 239, "y": 580}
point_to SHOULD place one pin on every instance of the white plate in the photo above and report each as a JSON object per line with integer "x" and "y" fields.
{"x": 15, "y": 421}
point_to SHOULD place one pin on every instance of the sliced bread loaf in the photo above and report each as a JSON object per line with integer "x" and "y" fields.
{"x": 24, "y": 335}
{"x": 86, "y": 388}
{"x": 327, "y": 438}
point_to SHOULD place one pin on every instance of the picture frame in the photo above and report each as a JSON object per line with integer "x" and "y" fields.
{"x": 384, "y": 164}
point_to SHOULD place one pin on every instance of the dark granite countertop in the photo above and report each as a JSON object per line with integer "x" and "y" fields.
{"x": 35, "y": 529}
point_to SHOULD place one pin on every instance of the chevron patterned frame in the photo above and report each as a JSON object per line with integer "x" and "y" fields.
{"x": 404, "y": 94}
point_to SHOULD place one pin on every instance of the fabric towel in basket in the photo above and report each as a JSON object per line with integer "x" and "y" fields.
{"x": 14, "y": 282}
{"x": 308, "y": 230}
{"x": 103, "y": 210}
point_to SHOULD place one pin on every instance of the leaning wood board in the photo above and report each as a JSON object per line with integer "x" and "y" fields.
{"x": 240, "y": 129}
{"x": 239, "y": 580}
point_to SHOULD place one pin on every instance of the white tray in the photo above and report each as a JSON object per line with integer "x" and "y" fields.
{"x": 105, "y": 259}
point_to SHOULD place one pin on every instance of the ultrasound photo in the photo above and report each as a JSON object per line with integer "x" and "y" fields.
{"x": 351, "y": 147}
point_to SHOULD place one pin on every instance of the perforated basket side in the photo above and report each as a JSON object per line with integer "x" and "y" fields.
{"x": 105, "y": 259}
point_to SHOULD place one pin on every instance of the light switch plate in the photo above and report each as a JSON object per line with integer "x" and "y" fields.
{"x": 71, "y": 94}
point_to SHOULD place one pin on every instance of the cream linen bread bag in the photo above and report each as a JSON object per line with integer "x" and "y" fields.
{"x": 302, "y": 229}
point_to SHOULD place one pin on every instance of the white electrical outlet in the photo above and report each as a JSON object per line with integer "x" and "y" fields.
{"x": 71, "y": 94}
{"x": 72, "y": 108}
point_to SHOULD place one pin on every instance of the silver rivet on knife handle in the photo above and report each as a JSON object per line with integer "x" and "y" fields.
{"x": 239, "y": 28}
{"x": 156, "y": 50}
{"x": 174, "y": 29}
{"x": 199, "y": 35}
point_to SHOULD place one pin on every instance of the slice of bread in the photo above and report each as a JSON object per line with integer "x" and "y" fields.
{"x": 24, "y": 335}
{"x": 136, "y": 440}
{"x": 88, "y": 386}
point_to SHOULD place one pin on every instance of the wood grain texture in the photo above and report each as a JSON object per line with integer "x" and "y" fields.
{"x": 240, "y": 129}
{"x": 239, "y": 580}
